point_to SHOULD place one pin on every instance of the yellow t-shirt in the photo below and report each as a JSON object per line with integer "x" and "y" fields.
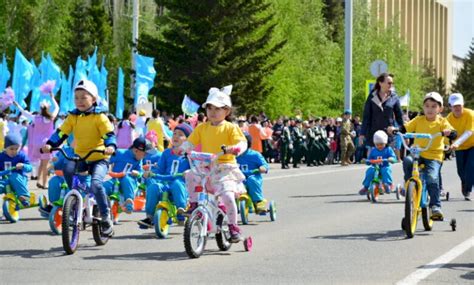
{"x": 213, "y": 137}
{"x": 89, "y": 132}
{"x": 155, "y": 125}
{"x": 462, "y": 124}
{"x": 421, "y": 125}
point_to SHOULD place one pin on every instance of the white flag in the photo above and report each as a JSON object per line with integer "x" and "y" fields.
{"x": 405, "y": 100}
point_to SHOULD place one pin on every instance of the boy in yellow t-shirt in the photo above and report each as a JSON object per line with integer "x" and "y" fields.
{"x": 91, "y": 130}
{"x": 462, "y": 119}
{"x": 429, "y": 123}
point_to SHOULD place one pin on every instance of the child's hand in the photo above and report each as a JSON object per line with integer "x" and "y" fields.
{"x": 390, "y": 130}
{"x": 19, "y": 166}
{"x": 46, "y": 148}
{"x": 262, "y": 169}
{"x": 146, "y": 174}
{"x": 134, "y": 173}
{"x": 454, "y": 146}
{"x": 109, "y": 150}
{"x": 446, "y": 132}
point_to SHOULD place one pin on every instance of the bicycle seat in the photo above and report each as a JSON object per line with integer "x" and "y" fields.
{"x": 117, "y": 174}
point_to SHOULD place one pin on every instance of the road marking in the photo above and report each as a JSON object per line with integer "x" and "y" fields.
{"x": 436, "y": 264}
{"x": 311, "y": 173}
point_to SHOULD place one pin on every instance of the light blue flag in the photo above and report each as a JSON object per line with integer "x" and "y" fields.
{"x": 94, "y": 76}
{"x": 103, "y": 81}
{"x": 70, "y": 100}
{"x": 35, "y": 84}
{"x": 80, "y": 73}
{"x": 22, "y": 73}
{"x": 189, "y": 107}
{"x": 50, "y": 71}
{"x": 4, "y": 74}
{"x": 144, "y": 79}
{"x": 64, "y": 98}
{"x": 120, "y": 100}
{"x": 92, "y": 60}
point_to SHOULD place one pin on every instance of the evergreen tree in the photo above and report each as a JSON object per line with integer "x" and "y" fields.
{"x": 212, "y": 44}
{"x": 333, "y": 13}
{"x": 79, "y": 40}
{"x": 465, "y": 81}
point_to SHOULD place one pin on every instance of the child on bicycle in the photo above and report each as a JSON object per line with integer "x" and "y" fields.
{"x": 92, "y": 130}
{"x": 380, "y": 151}
{"x": 212, "y": 135}
{"x": 129, "y": 161}
{"x": 430, "y": 123}
{"x": 170, "y": 164}
{"x": 13, "y": 157}
{"x": 251, "y": 161}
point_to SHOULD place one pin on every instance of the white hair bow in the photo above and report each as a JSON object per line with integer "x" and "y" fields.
{"x": 226, "y": 90}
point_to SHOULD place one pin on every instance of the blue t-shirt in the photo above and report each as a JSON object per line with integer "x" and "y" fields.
{"x": 171, "y": 164}
{"x": 7, "y": 162}
{"x": 387, "y": 152}
{"x": 251, "y": 160}
{"x": 124, "y": 158}
{"x": 152, "y": 157}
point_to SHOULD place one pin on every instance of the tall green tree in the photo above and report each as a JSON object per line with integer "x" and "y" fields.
{"x": 465, "y": 81}
{"x": 308, "y": 80}
{"x": 213, "y": 43}
{"x": 333, "y": 13}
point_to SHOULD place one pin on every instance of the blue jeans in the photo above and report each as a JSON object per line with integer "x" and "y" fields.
{"x": 98, "y": 170}
{"x": 385, "y": 172}
{"x": 430, "y": 175}
{"x": 465, "y": 167}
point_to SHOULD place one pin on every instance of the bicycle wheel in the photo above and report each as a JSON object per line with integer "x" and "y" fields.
{"x": 223, "y": 233}
{"x": 99, "y": 238}
{"x": 374, "y": 193}
{"x": 55, "y": 220}
{"x": 70, "y": 224}
{"x": 161, "y": 221}
{"x": 194, "y": 238}
{"x": 426, "y": 218}
{"x": 11, "y": 211}
{"x": 244, "y": 211}
{"x": 273, "y": 211}
{"x": 411, "y": 210}
{"x": 115, "y": 211}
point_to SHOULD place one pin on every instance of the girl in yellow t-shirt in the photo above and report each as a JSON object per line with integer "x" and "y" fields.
{"x": 212, "y": 135}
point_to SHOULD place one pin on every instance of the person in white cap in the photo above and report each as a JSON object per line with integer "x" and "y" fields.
{"x": 211, "y": 135}
{"x": 429, "y": 123}
{"x": 92, "y": 130}
{"x": 462, "y": 119}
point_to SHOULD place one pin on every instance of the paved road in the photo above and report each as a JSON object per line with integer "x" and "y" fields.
{"x": 325, "y": 234}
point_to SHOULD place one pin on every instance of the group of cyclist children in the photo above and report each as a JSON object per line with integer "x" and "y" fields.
{"x": 87, "y": 128}
{"x": 430, "y": 122}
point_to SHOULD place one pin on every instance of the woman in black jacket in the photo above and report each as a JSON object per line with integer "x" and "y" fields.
{"x": 382, "y": 109}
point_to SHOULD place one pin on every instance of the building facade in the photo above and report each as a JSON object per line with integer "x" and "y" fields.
{"x": 426, "y": 26}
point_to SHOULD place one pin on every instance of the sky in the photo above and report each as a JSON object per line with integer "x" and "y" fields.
{"x": 463, "y": 26}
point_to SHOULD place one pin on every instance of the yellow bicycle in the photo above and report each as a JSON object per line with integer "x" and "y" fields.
{"x": 416, "y": 196}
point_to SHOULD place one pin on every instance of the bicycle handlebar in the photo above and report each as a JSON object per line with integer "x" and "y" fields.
{"x": 166, "y": 177}
{"x": 430, "y": 137}
{"x": 381, "y": 160}
{"x": 77, "y": 158}
{"x": 7, "y": 171}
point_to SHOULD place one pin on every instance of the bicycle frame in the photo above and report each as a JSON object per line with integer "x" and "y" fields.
{"x": 421, "y": 197}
